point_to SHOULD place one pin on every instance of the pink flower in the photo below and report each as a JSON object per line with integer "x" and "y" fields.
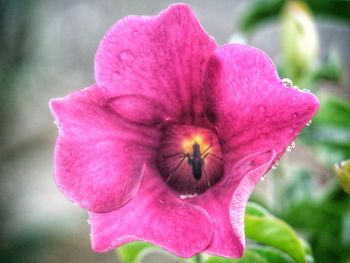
{"x": 126, "y": 146}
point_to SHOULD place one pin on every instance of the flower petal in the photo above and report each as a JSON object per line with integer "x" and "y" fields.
{"x": 155, "y": 215}
{"x": 226, "y": 201}
{"x": 251, "y": 108}
{"x": 99, "y": 155}
{"x": 161, "y": 58}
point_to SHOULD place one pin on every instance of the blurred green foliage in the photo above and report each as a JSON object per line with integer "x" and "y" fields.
{"x": 329, "y": 134}
{"x": 270, "y": 9}
{"x": 323, "y": 223}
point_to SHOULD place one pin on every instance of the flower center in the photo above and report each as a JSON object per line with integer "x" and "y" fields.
{"x": 190, "y": 159}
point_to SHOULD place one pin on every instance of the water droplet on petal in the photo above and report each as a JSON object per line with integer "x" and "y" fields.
{"x": 116, "y": 75}
{"x": 291, "y": 147}
{"x": 135, "y": 33}
{"x": 263, "y": 178}
{"x": 233, "y": 83}
{"x": 287, "y": 82}
{"x": 262, "y": 108}
{"x": 309, "y": 123}
{"x": 258, "y": 73}
{"x": 186, "y": 196}
{"x": 126, "y": 55}
{"x": 274, "y": 167}
{"x": 103, "y": 90}
{"x": 126, "y": 150}
{"x": 246, "y": 79}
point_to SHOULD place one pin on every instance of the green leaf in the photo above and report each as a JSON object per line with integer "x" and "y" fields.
{"x": 333, "y": 112}
{"x": 272, "y": 231}
{"x": 329, "y": 133}
{"x": 256, "y": 210}
{"x": 248, "y": 257}
{"x": 325, "y": 231}
{"x": 129, "y": 253}
{"x": 273, "y": 255}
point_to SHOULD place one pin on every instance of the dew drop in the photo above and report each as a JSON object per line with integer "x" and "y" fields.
{"x": 246, "y": 79}
{"x": 263, "y": 178}
{"x": 103, "y": 90}
{"x": 262, "y": 108}
{"x": 186, "y": 196}
{"x": 126, "y": 150}
{"x": 258, "y": 73}
{"x": 233, "y": 83}
{"x": 135, "y": 33}
{"x": 294, "y": 100}
{"x": 116, "y": 75}
{"x": 287, "y": 82}
{"x": 126, "y": 55}
{"x": 309, "y": 123}
{"x": 274, "y": 167}
{"x": 291, "y": 147}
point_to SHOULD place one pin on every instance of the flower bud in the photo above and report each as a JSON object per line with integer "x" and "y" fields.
{"x": 299, "y": 39}
{"x": 343, "y": 174}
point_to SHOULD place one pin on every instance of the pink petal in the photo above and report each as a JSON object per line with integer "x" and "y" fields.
{"x": 226, "y": 201}
{"x": 155, "y": 215}
{"x": 251, "y": 108}
{"x": 99, "y": 156}
{"x": 159, "y": 58}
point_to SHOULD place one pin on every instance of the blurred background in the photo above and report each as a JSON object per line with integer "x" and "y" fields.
{"x": 47, "y": 50}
